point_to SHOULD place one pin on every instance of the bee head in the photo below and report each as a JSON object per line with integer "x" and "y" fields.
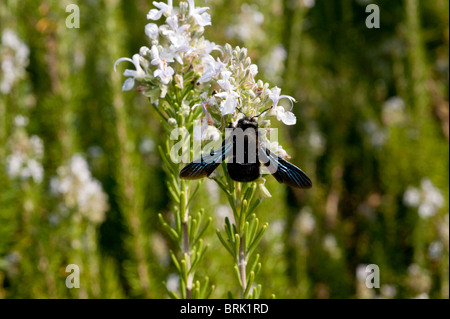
{"x": 247, "y": 122}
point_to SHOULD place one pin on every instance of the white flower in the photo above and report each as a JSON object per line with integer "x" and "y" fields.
{"x": 133, "y": 75}
{"x": 309, "y": 3}
{"x": 273, "y": 63}
{"x": 248, "y": 26}
{"x": 206, "y": 47}
{"x": 432, "y": 194}
{"x": 262, "y": 188}
{"x": 37, "y": 146}
{"x": 388, "y": 291}
{"x": 331, "y": 246}
{"x": 206, "y": 132}
{"x": 286, "y": 117}
{"x": 393, "y": 111}
{"x": 79, "y": 168}
{"x": 213, "y": 69}
{"x": 164, "y": 71}
{"x": 21, "y": 121}
{"x": 361, "y": 273}
{"x": 178, "y": 37}
{"x": 166, "y": 9}
{"x": 34, "y": 170}
{"x": 412, "y": 197}
{"x": 80, "y": 190}
{"x": 14, "y": 164}
{"x": 160, "y": 58}
{"x": 152, "y": 31}
{"x": 147, "y": 145}
{"x": 199, "y": 14}
{"x": 253, "y": 70}
{"x": 228, "y": 105}
{"x": 306, "y": 221}
{"x": 173, "y": 282}
{"x": 278, "y": 149}
{"x": 428, "y": 199}
{"x": 435, "y": 250}
{"x": 427, "y": 210}
{"x": 14, "y": 61}
{"x": 24, "y": 160}
{"x": 316, "y": 141}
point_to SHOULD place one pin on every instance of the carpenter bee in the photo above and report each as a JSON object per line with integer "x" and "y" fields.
{"x": 245, "y": 154}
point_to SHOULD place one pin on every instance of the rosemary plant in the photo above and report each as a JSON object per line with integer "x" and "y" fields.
{"x": 178, "y": 74}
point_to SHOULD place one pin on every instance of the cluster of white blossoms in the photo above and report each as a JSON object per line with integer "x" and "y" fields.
{"x": 13, "y": 59}
{"x": 273, "y": 64}
{"x": 428, "y": 198}
{"x": 80, "y": 191}
{"x": 247, "y": 26}
{"x": 26, "y": 153}
{"x": 219, "y": 79}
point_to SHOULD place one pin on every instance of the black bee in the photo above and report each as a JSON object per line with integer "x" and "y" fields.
{"x": 245, "y": 166}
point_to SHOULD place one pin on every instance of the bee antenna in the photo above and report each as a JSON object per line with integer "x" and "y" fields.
{"x": 263, "y": 112}
{"x": 240, "y": 110}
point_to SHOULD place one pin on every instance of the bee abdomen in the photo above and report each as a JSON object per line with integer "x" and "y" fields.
{"x": 243, "y": 172}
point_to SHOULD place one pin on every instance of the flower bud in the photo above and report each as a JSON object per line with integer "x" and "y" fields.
{"x": 251, "y": 94}
{"x": 248, "y": 62}
{"x": 144, "y": 52}
{"x": 179, "y": 81}
{"x": 263, "y": 189}
{"x": 242, "y": 54}
{"x": 228, "y": 49}
{"x": 173, "y": 122}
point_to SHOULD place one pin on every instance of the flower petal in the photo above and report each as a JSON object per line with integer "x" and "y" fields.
{"x": 152, "y": 31}
{"x": 128, "y": 84}
{"x": 154, "y": 14}
{"x": 289, "y": 118}
{"x": 228, "y": 106}
{"x": 121, "y": 60}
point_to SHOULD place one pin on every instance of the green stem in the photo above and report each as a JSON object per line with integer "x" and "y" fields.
{"x": 184, "y": 212}
{"x": 239, "y": 221}
{"x": 242, "y": 263}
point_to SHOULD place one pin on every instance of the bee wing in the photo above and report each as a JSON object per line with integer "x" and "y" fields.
{"x": 283, "y": 171}
{"x": 206, "y": 164}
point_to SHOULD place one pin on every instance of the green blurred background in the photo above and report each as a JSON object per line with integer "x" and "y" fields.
{"x": 372, "y": 133}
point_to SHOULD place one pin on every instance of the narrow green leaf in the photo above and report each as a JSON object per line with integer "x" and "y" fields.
{"x": 175, "y": 261}
{"x": 203, "y": 291}
{"x": 250, "y": 280}
{"x": 175, "y": 196}
{"x": 224, "y": 243}
{"x": 171, "y": 294}
{"x": 200, "y": 234}
{"x": 238, "y": 275}
{"x": 257, "y": 239}
{"x": 253, "y": 207}
{"x": 254, "y": 263}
